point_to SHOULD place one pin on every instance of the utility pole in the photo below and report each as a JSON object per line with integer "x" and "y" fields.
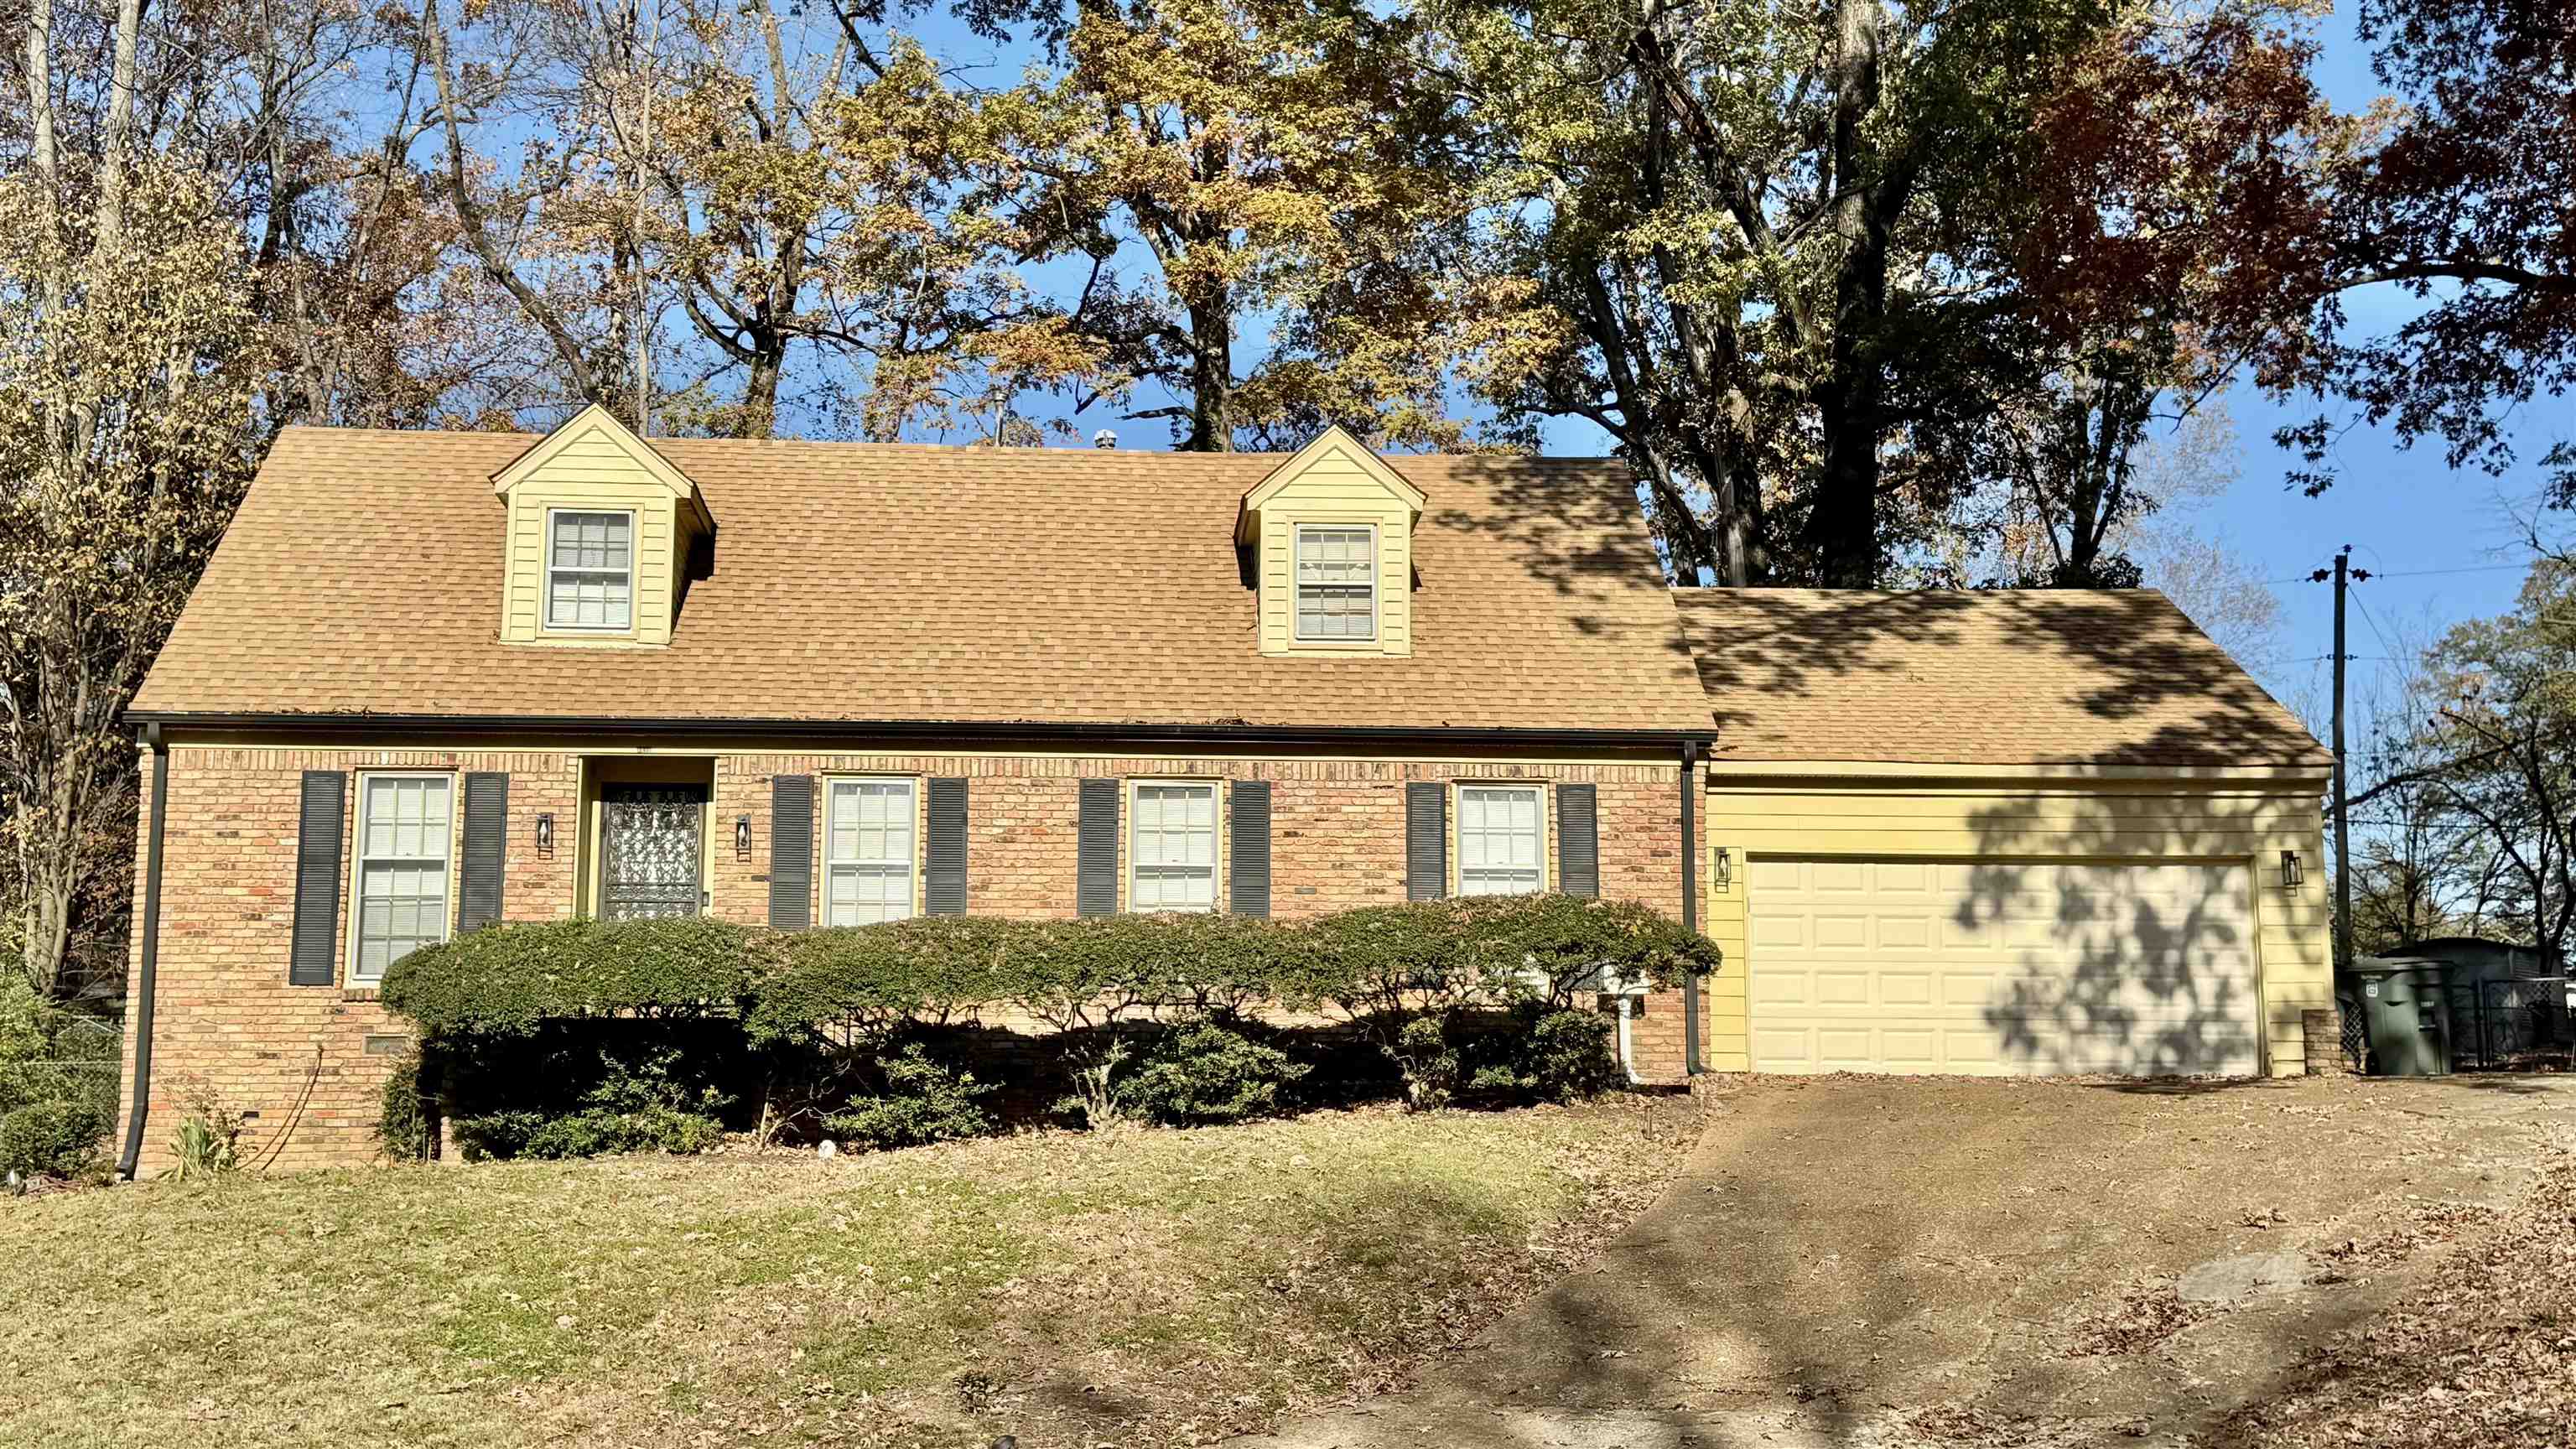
{"x": 2344, "y": 577}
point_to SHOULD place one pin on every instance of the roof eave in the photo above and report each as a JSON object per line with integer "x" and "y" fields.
{"x": 1208, "y": 733}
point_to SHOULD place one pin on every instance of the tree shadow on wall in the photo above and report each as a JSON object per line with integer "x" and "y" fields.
{"x": 2164, "y": 980}
{"x": 2162, "y": 976}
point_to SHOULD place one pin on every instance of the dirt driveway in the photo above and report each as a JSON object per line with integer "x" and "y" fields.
{"x": 1878, "y": 1261}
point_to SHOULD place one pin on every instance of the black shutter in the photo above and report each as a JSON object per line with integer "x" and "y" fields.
{"x": 791, "y": 852}
{"x": 317, "y": 879}
{"x": 487, "y": 826}
{"x": 1426, "y": 840}
{"x": 1095, "y": 876}
{"x": 1578, "y": 841}
{"x": 943, "y": 893}
{"x": 1248, "y": 849}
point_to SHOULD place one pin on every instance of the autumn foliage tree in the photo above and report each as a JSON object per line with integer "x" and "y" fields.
{"x": 2462, "y": 204}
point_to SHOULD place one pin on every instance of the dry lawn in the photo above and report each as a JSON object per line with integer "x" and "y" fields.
{"x": 2482, "y": 1357}
{"x": 1136, "y": 1288}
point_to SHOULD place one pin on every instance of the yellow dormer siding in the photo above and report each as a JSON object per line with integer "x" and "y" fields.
{"x": 594, "y": 466}
{"x": 1331, "y": 489}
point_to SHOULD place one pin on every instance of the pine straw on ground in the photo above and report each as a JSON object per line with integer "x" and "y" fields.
{"x": 2482, "y": 1357}
{"x": 1134, "y": 1288}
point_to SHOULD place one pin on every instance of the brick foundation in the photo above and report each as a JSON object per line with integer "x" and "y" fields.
{"x": 2321, "y": 1030}
{"x": 310, "y": 1061}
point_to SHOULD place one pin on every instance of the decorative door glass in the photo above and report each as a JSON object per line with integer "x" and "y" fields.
{"x": 649, "y": 860}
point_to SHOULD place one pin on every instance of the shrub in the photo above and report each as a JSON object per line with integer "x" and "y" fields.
{"x": 509, "y": 980}
{"x": 1099, "y": 1095}
{"x": 923, "y": 1101}
{"x": 1429, "y": 1063}
{"x": 641, "y": 1096}
{"x": 1543, "y": 1056}
{"x": 1206, "y": 1071}
{"x": 207, "y": 1144}
{"x": 870, "y": 981}
{"x": 590, "y": 1132}
{"x": 1569, "y": 1056}
{"x": 49, "y": 1053}
{"x": 512, "y": 1015}
{"x": 56, "y": 1138}
{"x": 402, "y": 1128}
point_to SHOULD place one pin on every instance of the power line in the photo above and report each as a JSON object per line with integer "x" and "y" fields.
{"x": 2414, "y": 573}
{"x": 2372, "y": 620}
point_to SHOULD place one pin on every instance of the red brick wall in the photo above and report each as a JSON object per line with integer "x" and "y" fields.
{"x": 230, "y": 1029}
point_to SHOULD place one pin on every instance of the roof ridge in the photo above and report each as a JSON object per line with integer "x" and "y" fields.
{"x": 1050, "y": 451}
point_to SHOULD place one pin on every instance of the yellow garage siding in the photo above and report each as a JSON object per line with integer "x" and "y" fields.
{"x": 2104, "y": 821}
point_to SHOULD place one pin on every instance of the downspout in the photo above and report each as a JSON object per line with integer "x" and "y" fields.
{"x": 1690, "y": 905}
{"x": 1627, "y": 1036}
{"x": 147, "y": 972}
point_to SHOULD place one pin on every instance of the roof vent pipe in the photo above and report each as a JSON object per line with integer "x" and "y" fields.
{"x": 1104, "y": 439}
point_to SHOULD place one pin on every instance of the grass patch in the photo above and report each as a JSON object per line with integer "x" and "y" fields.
{"x": 1139, "y": 1287}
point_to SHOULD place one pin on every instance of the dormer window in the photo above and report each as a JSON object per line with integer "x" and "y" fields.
{"x": 1329, "y": 538}
{"x": 602, "y": 537}
{"x": 1337, "y": 583}
{"x": 590, "y": 571}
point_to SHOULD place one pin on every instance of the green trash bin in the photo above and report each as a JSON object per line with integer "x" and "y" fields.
{"x": 2406, "y": 1004}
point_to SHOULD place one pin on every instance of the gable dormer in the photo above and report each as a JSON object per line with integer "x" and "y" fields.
{"x": 599, "y": 537}
{"x": 1331, "y": 533}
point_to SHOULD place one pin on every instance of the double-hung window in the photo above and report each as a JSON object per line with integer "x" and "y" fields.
{"x": 1337, "y": 583}
{"x": 1172, "y": 852}
{"x": 868, "y": 852}
{"x": 590, "y": 571}
{"x": 1502, "y": 840}
{"x": 402, "y": 870}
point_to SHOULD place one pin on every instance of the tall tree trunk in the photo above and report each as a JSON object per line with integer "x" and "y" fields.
{"x": 760, "y": 389}
{"x": 1211, "y": 378}
{"x": 1843, "y": 529}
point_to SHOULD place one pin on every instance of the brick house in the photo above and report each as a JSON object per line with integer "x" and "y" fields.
{"x": 433, "y": 680}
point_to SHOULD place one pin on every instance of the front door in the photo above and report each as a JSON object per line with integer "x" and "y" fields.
{"x": 649, "y": 856}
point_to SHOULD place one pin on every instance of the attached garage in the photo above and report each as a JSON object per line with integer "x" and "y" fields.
{"x": 2000, "y": 967}
{"x": 2002, "y": 834}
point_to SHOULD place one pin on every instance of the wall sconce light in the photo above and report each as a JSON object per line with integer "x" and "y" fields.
{"x": 2292, "y": 872}
{"x": 1722, "y": 870}
{"x": 546, "y": 834}
{"x": 742, "y": 837}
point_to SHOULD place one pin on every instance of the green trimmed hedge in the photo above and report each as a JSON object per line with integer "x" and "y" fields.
{"x": 1380, "y": 960}
{"x": 509, "y": 980}
{"x": 544, "y": 1038}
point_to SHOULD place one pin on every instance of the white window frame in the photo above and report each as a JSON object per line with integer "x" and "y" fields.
{"x": 546, "y": 603}
{"x": 1458, "y": 830}
{"x": 1297, "y": 584}
{"x": 1215, "y": 790}
{"x": 358, "y": 859}
{"x": 910, "y": 873}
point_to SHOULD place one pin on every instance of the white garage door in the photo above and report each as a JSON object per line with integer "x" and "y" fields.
{"x": 2001, "y": 968}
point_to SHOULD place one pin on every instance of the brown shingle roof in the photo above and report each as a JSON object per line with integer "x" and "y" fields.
{"x": 861, "y": 582}
{"x": 1979, "y": 678}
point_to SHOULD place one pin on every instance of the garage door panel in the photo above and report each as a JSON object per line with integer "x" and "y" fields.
{"x": 1900, "y": 987}
{"x": 2002, "y": 967}
{"x": 1843, "y": 988}
{"x": 1842, "y": 933}
{"x": 1776, "y": 877}
{"x": 1904, "y": 932}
